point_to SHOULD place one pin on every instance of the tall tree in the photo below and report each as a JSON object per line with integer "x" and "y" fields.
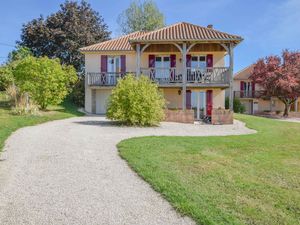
{"x": 141, "y": 16}
{"x": 62, "y": 33}
{"x": 280, "y": 77}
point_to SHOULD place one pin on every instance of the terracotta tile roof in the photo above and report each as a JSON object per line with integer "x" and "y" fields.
{"x": 186, "y": 32}
{"x": 117, "y": 44}
{"x": 176, "y": 32}
{"x": 244, "y": 74}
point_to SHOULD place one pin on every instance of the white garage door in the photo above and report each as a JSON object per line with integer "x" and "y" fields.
{"x": 101, "y": 101}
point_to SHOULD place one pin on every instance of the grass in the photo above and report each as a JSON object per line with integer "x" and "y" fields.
{"x": 248, "y": 179}
{"x": 10, "y": 123}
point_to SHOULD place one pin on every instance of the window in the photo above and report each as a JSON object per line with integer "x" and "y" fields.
{"x": 162, "y": 65}
{"x": 113, "y": 64}
{"x": 198, "y": 61}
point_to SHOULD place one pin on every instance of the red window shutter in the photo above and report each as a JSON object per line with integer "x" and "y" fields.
{"x": 209, "y": 102}
{"x": 209, "y": 60}
{"x": 123, "y": 63}
{"x": 173, "y": 60}
{"x": 242, "y": 89}
{"x": 253, "y": 86}
{"x": 188, "y": 97}
{"x": 253, "y": 89}
{"x": 103, "y": 63}
{"x": 151, "y": 61}
{"x": 241, "y": 85}
{"x": 188, "y": 60}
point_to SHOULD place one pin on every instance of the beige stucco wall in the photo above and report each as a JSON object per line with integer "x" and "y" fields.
{"x": 218, "y": 58}
{"x": 174, "y": 100}
{"x": 101, "y": 100}
{"x": 93, "y": 61}
{"x": 237, "y": 87}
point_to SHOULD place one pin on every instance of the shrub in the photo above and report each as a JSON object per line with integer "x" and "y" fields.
{"x": 136, "y": 101}
{"x": 77, "y": 94}
{"x": 21, "y": 104}
{"x": 6, "y": 77}
{"x": 46, "y": 80}
{"x": 238, "y": 107}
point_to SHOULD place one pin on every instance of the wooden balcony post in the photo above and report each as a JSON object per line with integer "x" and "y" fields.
{"x": 184, "y": 74}
{"x": 231, "y": 76}
{"x": 138, "y": 59}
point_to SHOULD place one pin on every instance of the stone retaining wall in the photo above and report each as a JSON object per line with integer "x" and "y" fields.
{"x": 221, "y": 116}
{"x": 179, "y": 116}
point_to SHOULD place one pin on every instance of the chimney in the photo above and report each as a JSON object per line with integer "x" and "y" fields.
{"x": 210, "y": 26}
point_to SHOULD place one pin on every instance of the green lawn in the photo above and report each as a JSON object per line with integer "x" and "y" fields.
{"x": 9, "y": 123}
{"x": 249, "y": 179}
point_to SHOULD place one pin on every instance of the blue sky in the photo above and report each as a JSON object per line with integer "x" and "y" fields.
{"x": 267, "y": 26}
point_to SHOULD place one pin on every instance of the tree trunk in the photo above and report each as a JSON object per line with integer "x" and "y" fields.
{"x": 286, "y": 109}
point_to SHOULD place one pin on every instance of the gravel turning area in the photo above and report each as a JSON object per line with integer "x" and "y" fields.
{"x": 69, "y": 172}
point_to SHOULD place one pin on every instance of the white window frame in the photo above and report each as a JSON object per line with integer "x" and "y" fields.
{"x": 198, "y": 61}
{"x": 116, "y": 68}
{"x": 162, "y": 72}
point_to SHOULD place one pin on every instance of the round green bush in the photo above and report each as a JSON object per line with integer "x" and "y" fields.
{"x": 136, "y": 101}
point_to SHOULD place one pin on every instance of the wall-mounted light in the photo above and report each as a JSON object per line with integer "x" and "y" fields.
{"x": 180, "y": 59}
{"x": 179, "y": 92}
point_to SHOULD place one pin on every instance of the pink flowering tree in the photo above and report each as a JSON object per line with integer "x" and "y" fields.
{"x": 280, "y": 77}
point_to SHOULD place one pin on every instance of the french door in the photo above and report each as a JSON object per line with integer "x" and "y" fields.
{"x": 198, "y": 100}
{"x": 113, "y": 69}
{"x": 113, "y": 64}
{"x": 162, "y": 67}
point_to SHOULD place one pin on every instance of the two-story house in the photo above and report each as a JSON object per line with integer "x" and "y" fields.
{"x": 187, "y": 61}
{"x": 252, "y": 96}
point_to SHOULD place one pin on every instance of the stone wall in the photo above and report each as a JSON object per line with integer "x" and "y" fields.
{"x": 179, "y": 116}
{"x": 221, "y": 116}
{"x": 294, "y": 114}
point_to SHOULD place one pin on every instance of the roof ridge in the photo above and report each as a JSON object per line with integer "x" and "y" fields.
{"x": 188, "y": 24}
{"x": 209, "y": 29}
{"x": 240, "y": 72}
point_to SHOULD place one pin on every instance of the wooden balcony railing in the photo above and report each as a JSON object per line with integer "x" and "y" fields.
{"x": 208, "y": 75}
{"x": 213, "y": 75}
{"x": 104, "y": 79}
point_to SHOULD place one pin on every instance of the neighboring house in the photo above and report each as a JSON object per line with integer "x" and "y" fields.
{"x": 186, "y": 60}
{"x": 252, "y": 97}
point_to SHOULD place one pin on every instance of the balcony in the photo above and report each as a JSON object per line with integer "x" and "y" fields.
{"x": 169, "y": 77}
{"x": 249, "y": 94}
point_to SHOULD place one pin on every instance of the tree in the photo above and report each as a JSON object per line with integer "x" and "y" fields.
{"x": 6, "y": 71}
{"x": 46, "y": 80}
{"x": 280, "y": 77}
{"x": 136, "y": 101}
{"x": 61, "y": 34}
{"x": 6, "y": 77}
{"x": 18, "y": 54}
{"x": 139, "y": 16}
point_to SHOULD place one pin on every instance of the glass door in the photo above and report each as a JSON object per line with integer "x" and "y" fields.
{"x": 162, "y": 65}
{"x": 199, "y": 104}
{"x": 113, "y": 68}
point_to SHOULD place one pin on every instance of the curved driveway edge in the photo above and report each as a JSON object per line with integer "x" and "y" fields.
{"x": 69, "y": 172}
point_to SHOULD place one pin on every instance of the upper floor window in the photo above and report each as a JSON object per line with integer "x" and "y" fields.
{"x": 247, "y": 86}
{"x": 113, "y": 64}
{"x": 162, "y": 61}
{"x": 198, "y": 61}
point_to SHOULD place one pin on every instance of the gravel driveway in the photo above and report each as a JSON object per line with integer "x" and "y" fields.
{"x": 69, "y": 172}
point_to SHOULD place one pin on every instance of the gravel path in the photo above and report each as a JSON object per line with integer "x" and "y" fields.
{"x": 69, "y": 172}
